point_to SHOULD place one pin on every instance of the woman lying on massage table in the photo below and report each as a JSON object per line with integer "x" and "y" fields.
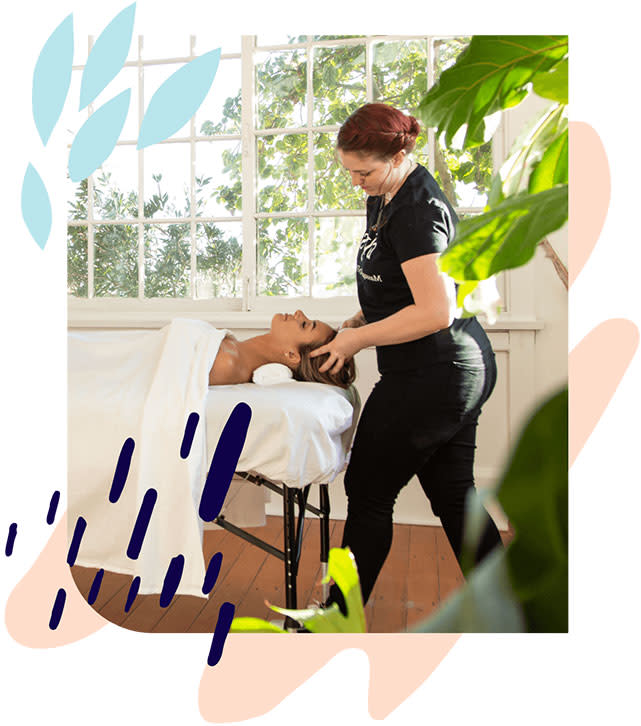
{"x": 290, "y": 340}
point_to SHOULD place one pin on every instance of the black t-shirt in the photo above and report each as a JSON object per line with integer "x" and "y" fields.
{"x": 419, "y": 220}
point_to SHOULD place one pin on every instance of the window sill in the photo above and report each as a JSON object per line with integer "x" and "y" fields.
{"x": 236, "y": 320}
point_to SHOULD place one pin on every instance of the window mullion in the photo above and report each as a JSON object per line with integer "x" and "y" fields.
{"x": 90, "y": 216}
{"x": 248, "y": 146}
{"x": 141, "y": 177}
{"x": 311, "y": 226}
{"x": 431, "y": 136}
{"x": 192, "y": 186}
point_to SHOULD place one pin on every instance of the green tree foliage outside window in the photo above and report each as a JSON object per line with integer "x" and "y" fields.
{"x": 399, "y": 77}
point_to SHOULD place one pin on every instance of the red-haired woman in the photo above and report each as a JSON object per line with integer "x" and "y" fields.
{"x": 436, "y": 371}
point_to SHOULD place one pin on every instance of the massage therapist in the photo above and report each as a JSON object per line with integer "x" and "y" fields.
{"x": 436, "y": 371}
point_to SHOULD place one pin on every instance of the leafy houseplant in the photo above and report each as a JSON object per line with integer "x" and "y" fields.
{"x": 529, "y": 195}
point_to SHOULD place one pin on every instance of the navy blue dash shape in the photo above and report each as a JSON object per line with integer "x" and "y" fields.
{"x": 58, "y": 607}
{"x": 133, "y": 591}
{"x": 95, "y": 587}
{"x": 224, "y": 462}
{"x": 122, "y": 470}
{"x": 172, "y": 580}
{"x": 53, "y": 507}
{"x": 188, "y": 436}
{"x": 225, "y": 616}
{"x": 78, "y": 532}
{"x": 213, "y": 569}
{"x": 142, "y": 522}
{"x": 11, "y": 538}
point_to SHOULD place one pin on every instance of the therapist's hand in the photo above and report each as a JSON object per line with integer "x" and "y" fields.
{"x": 344, "y": 346}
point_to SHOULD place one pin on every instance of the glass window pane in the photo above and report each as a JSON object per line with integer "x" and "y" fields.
{"x": 219, "y": 260}
{"x": 334, "y": 37}
{"x": 281, "y": 88}
{"x": 465, "y": 176}
{"x": 115, "y": 260}
{"x": 339, "y": 83}
{"x": 167, "y": 260}
{"x": 337, "y": 240}
{"x": 279, "y": 39}
{"x": 167, "y": 181}
{"x": 77, "y": 261}
{"x": 115, "y": 185}
{"x": 220, "y": 111}
{"x": 283, "y": 253}
{"x": 332, "y": 184}
{"x": 399, "y": 73}
{"x": 76, "y": 196}
{"x": 446, "y": 51}
{"x": 282, "y": 173}
{"x": 218, "y": 178}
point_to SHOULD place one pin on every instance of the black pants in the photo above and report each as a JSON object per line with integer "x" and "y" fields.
{"x": 423, "y": 423}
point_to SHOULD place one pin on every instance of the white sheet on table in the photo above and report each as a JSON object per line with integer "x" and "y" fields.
{"x": 141, "y": 385}
{"x": 299, "y": 433}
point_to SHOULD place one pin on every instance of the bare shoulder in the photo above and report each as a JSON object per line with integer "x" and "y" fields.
{"x": 228, "y": 367}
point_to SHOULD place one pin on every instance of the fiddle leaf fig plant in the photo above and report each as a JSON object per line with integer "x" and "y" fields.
{"x": 529, "y": 195}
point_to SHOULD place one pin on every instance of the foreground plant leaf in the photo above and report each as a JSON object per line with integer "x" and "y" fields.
{"x": 506, "y": 236}
{"x": 523, "y": 587}
{"x": 341, "y": 567}
{"x": 253, "y": 625}
{"x": 491, "y": 75}
{"x": 486, "y": 604}
{"x": 534, "y": 495}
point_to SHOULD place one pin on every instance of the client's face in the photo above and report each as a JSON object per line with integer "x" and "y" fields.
{"x": 296, "y": 330}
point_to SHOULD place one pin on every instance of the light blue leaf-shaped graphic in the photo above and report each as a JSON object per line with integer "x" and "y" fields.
{"x": 178, "y": 99}
{"x": 36, "y": 206}
{"x": 107, "y": 56}
{"x": 52, "y": 78}
{"x": 98, "y": 136}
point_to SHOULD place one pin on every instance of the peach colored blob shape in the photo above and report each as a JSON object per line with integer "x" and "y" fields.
{"x": 589, "y": 194}
{"x": 399, "y": 663}
{"x": 29, "y": 606}
{"x": 596, "y": 367}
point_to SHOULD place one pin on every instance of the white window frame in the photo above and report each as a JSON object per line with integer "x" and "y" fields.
{"x": 251, "y": 311}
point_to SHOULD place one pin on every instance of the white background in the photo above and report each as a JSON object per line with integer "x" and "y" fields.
{"x": 116, "y": 675}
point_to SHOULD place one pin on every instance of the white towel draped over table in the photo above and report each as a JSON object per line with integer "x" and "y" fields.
{"x": 141, "y": 385}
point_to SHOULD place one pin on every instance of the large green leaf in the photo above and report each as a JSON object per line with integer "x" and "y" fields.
{"x": 534, "y": 495}
{"x": 506, "y": 236}
{"x": 523, "y": 587}
{"x": 553, "y": 167}
{"x": 486, "y": 604}
{"x": 528, "y": 150}
{"x": 553, "y": 85}
{"x": 492, "y": 74}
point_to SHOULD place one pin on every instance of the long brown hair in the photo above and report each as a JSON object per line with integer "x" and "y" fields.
{"x": 308, "y": 368}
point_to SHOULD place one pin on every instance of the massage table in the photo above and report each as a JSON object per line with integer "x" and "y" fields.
{"x": 142, "y": 387}
{"x": 299, "y": 437}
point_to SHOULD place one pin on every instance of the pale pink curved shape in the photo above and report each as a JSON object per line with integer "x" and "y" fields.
{"x": 398, "y": 666}
{"x": 29, "y": 606}
{"x": 589, "y": 194}
{"x": 596, "y": 366}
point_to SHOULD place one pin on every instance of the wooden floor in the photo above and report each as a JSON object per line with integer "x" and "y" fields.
{"x": 419, "y": 573}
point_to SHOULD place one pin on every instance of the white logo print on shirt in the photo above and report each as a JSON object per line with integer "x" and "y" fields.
{"x": 367, "y": 246}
